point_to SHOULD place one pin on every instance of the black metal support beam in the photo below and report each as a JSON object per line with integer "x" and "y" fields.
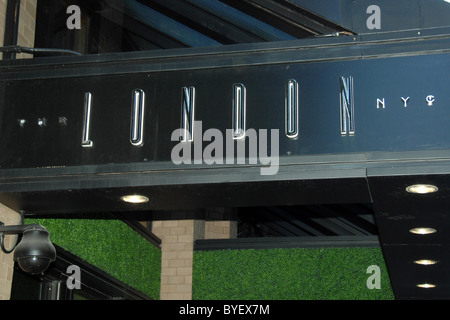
{"x": 288, "y": 242}
{"x": 11, "y": 27}
{"x": 16, "y": 229}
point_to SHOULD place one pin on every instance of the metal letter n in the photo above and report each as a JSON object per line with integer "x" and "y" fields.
{"x": 347, "y": 106}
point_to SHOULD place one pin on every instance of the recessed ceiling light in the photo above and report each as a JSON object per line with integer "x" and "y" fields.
{"x": 135, "y": 198}
{"x": 426, "y": 285}
{"x": 425, "y": 262}
{"x": 421, "y": 188}
{"x": 423, "y": 230}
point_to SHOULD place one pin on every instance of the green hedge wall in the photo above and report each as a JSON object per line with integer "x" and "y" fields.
{"x": 289, "y": 274}
{"x": 112, "y": 246}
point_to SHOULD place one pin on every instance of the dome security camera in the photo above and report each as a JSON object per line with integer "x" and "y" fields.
{"x": 35, "y": 251}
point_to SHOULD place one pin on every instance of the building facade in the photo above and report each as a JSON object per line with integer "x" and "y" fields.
{"x": 330, "y": 98}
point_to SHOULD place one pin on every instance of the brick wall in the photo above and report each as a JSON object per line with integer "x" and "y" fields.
{"x": 220, "y": 224}
{"x": 177, "y": 232}
{"x": 27, "y": 23}
{"x": 2, "y": 22}
{"x": 177, "y": 244}
{"x": 8, "y": 217}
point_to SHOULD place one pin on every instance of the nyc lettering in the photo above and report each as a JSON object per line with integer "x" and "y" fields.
{"x": 381, "y": 102}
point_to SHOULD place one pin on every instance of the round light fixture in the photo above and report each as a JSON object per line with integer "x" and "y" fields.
{"x": 135, "y": 199}
{"x": 425, "y": 262}
{"x": 426, "y": 285}
{"x": 423, "y": 231}
{"x": 421, "y": 188}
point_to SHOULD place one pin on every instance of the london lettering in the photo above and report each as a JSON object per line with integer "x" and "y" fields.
{"x": 238, "y": 110}
{"x": 222, "y": 146}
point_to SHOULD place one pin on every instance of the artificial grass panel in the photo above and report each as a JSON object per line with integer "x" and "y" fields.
{"x": 289, "y": 274}
{"x": 112, "y": 246}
